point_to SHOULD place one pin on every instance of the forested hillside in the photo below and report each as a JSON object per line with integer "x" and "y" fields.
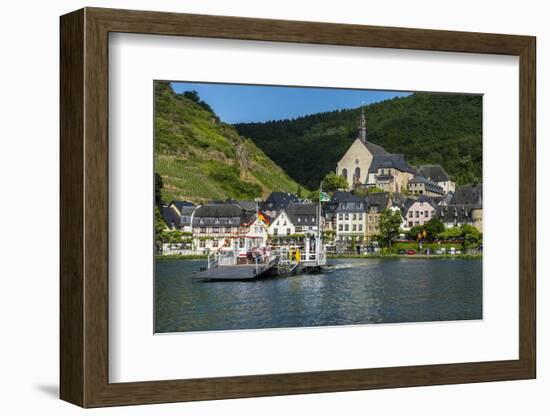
{"x": 200, "y": 158}
{"x": 427, "y": 128}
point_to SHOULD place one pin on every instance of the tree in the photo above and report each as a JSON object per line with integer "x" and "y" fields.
{"x": 390, "y": 221}
{"x": 333, "y": 182}
{"x": 434, "y": 227}
{"x": 472, "y": 236}
{"x": 158, "y": 189}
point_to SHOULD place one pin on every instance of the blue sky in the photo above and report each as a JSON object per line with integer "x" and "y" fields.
{"x": 237, "y": 103}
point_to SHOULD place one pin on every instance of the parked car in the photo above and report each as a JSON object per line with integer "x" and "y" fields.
{"x": 411, "y": 251}
{"x": 401, "y": 251}
{"x": 440, "y": 251}
{"x": 452, "y": 251}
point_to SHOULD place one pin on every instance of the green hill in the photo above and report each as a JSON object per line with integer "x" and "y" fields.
{"x": 201, "y": 158}
{"x": 427, "y": 128}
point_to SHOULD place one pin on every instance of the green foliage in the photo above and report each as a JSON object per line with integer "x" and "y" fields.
{"x": 390, "y": 221}
{"x": 472, "y": 237}
{"x": 158, "y": 189}
{"x": 427, "y": 128}
{"x": 430, "y": 231}
{"x": 160, "y": 225}
{"x": 200, "y": 158}
{"x": 367, "y": 191}
{"x": 333, "y": 182}
{"x": 194, "y": 96}
{"x": 173, "y": 237}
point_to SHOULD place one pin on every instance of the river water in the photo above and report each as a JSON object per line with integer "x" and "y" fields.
{"x": 355, "y": 291}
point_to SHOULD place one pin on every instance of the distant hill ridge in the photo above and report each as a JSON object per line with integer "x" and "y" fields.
{"x": 428, "y": 128}
{"x": 200, "y": 158}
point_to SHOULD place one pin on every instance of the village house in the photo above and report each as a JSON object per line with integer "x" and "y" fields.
{"x": 276, "y": 201}
{"x": 227, "y": 225}
{"x": 390, "y": 172}
{"x": 419, "y": 185}
{"x": 437, "y": 174}
{"x": 177, "y": 215}
{"x": 295, "y": 218}
{"x": 465, "y": 208}
{"x": 350, "y": 220}
{"x": 375, "y": 204}
{"x": 419, "y": 211}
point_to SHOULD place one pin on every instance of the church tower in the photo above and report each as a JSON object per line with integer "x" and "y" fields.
{"x": 363, "y": 127}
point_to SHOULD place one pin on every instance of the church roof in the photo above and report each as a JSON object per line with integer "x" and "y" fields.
{"x": 375, "y": 149}
{"x": 390, "y": 160}
{"x": 434, "y": 172}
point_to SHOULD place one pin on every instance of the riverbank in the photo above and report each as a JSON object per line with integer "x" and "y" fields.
{"x": 405, "y": 256}
{"x": 345, "y": 256}
{"x": 181, "y": 257}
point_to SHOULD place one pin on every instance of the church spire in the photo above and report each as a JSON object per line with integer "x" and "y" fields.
{"x": 363, "y": 127}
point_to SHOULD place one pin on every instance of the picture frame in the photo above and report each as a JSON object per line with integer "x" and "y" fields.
{"x": 84, "y": 172}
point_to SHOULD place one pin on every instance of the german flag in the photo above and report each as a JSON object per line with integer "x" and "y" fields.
{"x": 263, "y": 217}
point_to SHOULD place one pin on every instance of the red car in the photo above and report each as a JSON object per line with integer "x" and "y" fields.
{"x": 411, "y": 251}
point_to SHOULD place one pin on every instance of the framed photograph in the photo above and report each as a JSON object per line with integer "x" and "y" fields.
{"x": 255, "y": 207}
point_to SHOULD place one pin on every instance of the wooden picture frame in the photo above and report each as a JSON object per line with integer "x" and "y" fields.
{"x": 84, "y": 207}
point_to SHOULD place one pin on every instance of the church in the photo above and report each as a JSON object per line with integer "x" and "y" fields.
{"x": 366, "y": 165}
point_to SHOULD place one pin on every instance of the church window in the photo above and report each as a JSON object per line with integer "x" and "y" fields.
{"x": 345, "y": 174}
{"x": 357, "y": 175}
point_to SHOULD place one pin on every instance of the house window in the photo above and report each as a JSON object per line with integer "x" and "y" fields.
{"x": 202, "y": 243}
{"x": 278, "y": 222}
{"x": 370, "y": 228}
{"x": 345, "y": 174}
{"x": 340, "y": 216}
{"x": 370, "y": 218}
{"x": 354, "y": 216}
{"x": 426, "y": 214}
{"x": 410, "y": 223}
{"x": 203, "y": 230}
{"x": 214, "y": 243}
{"x": 275, "y": 231}
{"x": 354, "y": 227}
{"x": 410, "y": 214}
{"x": 347, "y": 227}
{"x": 215, "y": 230}
{"x": 359, "y": 217}
{"x": 416, "y": 214}
{"x": 340, "y": 227}
{"x": 347, "y": 216}
{"x": 288, "y": 231}
{"x": 416, "y": 223}
{"x": 360, "y": 227}
{"x": 227, "y": 229}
